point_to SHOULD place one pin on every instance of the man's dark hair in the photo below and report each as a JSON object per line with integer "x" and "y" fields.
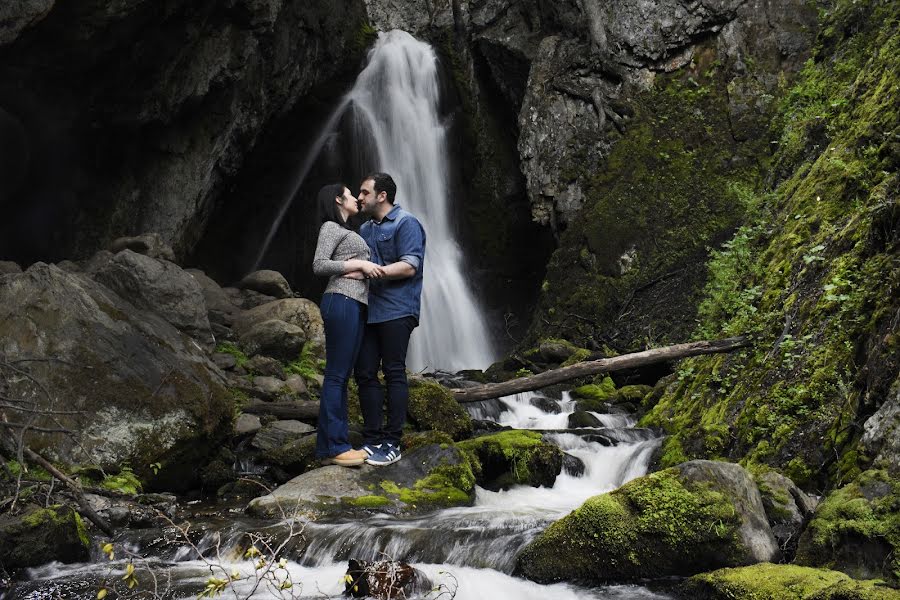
{"x": 382, "y": 182}
{"x": 328, "y": 208}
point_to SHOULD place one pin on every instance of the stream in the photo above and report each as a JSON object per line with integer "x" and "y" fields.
{"x": 466, "y": 550}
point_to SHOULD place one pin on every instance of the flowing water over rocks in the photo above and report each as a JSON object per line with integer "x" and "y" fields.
{"x": 469, "y": 549}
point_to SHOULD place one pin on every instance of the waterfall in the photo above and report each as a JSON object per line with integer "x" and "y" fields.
{"x": 389, "y": 122}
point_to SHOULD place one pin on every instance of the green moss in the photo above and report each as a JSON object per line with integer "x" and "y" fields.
{"x": 412, "y": 441}
{"x": 512, "y": 457}
{"x": 446, "y": 485}
{"x": 650, "y": 527}
{"x": 593, "y": 396}
{"x": 308, "y": 365}
{"x": 808, "y": 275}
{"x": 767, "y": 581}
{"x": 433, "y": 408}
{"x": 125, "y": 482}
{"x": 228, "y": 348}
{"x": 856, "y": 529}
{"x": 370, "y": 502}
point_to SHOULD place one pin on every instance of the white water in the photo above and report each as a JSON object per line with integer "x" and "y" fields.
{"x": 469, "y": 549}
{"x": 393, "y": 109}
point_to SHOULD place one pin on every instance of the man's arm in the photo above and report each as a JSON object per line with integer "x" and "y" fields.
{"x": 410, "y": 240}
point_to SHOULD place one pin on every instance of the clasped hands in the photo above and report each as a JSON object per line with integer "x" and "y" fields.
{"x": 363, "y": 269}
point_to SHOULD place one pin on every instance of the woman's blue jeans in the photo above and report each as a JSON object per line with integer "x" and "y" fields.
{"x": 344, "y": 320}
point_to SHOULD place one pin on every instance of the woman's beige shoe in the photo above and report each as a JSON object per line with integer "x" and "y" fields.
{"x": 350, "y": 458}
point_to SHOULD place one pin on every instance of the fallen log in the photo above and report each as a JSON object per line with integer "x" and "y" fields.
{"x": 300, "y": 410}
{"x": 593, "y": 367}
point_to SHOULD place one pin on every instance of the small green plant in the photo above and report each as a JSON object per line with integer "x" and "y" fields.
{"x": 228, "y": 348}
{"x": 523, "y": 372}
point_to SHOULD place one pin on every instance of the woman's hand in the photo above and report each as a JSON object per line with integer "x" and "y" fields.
{"x": 354, "y": 275}
{"x": 368, "y": 269}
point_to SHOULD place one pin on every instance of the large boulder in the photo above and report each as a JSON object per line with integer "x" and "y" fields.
{"x": 856, "y": 529}
{"x": 134, "y": 388}
{"x": 270, "y": 283}
{"x": 274, "y": 338}
{"x": 508, "y": 458}
{"x": 788, "y": 509}
{"x": 433, "y": 407}
{"x": 159, "y": 286}
{"x": 698, "y": 516}
{"x": 767, "y": 581}
{"x": 56, "y": 533}
{"x": 429, "y": 477}
{"x": 299, "y": 312}
{"x": 219, "y": 306}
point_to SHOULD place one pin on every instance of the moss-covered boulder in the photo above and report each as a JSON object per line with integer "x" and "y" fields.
{"x": 42, "y": 536}
{"x": 595, "y": 396}
{"x": 680, "y": 521}
{"x": 768, "y": 581}
{"x": 856, "y": 529}
{"x": 433, "y": 408}
{"x": 508, "y": 458}
{"x": 430, "y": 476}
{"x": 788, "y": 508}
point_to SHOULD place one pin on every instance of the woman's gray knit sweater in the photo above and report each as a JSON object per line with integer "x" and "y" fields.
{"x": 336, "y": 245}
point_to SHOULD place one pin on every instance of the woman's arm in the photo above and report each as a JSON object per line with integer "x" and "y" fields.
{"x": 330, "y": 236}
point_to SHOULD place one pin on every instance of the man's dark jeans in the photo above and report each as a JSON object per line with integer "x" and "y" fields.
{"x": 344, "y": 320}
{"x": 384, "y": 345}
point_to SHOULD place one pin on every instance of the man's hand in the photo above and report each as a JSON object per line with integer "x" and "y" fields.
{"x": 354, "y": 275}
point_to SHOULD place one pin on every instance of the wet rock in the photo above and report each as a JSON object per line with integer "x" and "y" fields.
{"x": 247, "y": 299}
{"x": 580, "y": 418}
{"x": 159, "y": 286}
{"x": 548, "y": 405}
{"x": 7, "y": 267}
{"x": 148, "y": 244}
{"x": 572, "y": 465}
{"x": 280, "y": 432}
{"x": 788, "y": 509}
{"x": 433, "y": 407}
{"x": 705, "y": 514}
{"x": 41, "y": 536}
{"x": 167, "y": 403}
{"x": 414, "y": 16}
{"x": 426, "y": 478}
{"x": 383, "y": 579}
{"x": 513, "y": 457}
{"x": 270, "y": 283}
{"x": 296, "y": 385}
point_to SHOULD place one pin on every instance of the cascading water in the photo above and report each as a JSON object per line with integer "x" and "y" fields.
{"x": 394, "y": 126}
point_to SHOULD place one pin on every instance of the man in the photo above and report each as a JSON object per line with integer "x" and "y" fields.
{"x": 397, "y": 242}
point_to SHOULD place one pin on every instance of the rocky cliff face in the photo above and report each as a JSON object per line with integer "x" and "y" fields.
{"x": 133, "y": 117}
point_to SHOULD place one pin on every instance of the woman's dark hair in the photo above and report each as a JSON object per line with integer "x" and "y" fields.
{"x": 328, "y": 208}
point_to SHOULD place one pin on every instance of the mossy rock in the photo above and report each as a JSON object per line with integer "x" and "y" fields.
{"x": 631, "y": 393}
{"x": 43, "y": 535}
{"x": 413, "y": 440}
{"x": 668, "y": 523}
{"x": 429, "y": 477}
{"x": 513, "y": 457}
{"x": 856, "y": 529}
{"x": 581, "y": 418}
{"x": 595, "y": 396}
{"x": 433, "y": 408}
{"x": 767, "y": 581}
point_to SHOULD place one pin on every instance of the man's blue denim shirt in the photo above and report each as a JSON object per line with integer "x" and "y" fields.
{"x": 398, "y": 237}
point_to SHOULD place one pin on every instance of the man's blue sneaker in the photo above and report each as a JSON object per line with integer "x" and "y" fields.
{"x": 385, "y": 455}
{"x": 371, "y": 449}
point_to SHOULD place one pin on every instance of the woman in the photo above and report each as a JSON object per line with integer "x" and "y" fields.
{"x": 342, "y": 255}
